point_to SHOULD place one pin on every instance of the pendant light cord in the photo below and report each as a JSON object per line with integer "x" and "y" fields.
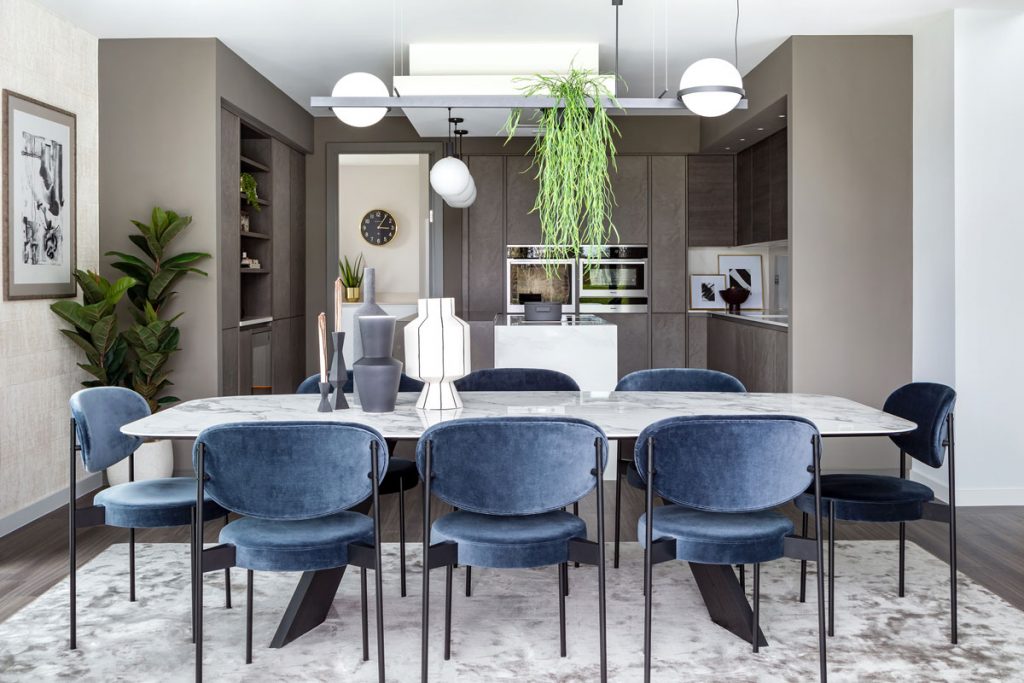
{"x": 736, "y": 39}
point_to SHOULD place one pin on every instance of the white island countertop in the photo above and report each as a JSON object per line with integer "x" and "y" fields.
{"x": 585, "y": 347}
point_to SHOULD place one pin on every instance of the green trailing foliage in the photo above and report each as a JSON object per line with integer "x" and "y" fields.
{"x": 151, "y": 338}
{"x": 95, "y": 327}
{"x": 573, "y": 158}
{"x": 247, "y": 183}
{"x": 351, "y": 273}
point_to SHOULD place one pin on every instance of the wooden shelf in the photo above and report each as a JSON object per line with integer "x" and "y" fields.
{"x": 260, "y": 200}
{"x": 255, "y": 271}
{"x": 254, "y": 235}
{"x": 252, "y": 165}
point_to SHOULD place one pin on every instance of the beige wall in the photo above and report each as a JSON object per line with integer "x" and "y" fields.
{"x": 44, "y": 57}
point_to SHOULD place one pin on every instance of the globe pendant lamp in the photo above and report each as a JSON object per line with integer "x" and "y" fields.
{"x": 711, "y": 87}
{"x": 360, "y": 84}
{"x": 450, "y": 177}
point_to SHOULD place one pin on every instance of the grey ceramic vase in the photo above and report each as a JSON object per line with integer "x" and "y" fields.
{"x": 377, "y": 374}
{"x": 369, "y": 307}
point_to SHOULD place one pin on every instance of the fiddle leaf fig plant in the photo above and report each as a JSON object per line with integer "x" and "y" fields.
{"x": 95, "y": 328}
{"x": 573, "y": 158}
{"x": 153, "y": 339}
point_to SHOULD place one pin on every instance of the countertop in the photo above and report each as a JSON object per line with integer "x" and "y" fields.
{"x": 779, "y": 321}
{"x": 568, "y": 320}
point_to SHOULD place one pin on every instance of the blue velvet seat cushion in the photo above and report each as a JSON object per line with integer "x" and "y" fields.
{"x": 869, "y": 498}
{"x": 153, "y": 503}
{"x": 719, "y": 537}
{"x": 506, "y": 542}
{"x": 402, "y": 475}
{"x": 296, "y": 545}
{"x": 633, "y": 476}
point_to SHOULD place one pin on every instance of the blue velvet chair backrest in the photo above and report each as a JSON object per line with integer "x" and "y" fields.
{"x": 311, "y": 385}
{"x": 99, "y": 414}
{"x": 732, "y": 463}
{"x": 512, "y": 465}
{"x": 927, "y": 405}
{"x": 679, "y": 379}
{"x": 516, "y": 379}
{"x": 289, "y": 470}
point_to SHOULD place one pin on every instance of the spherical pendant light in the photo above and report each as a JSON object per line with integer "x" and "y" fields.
{"x": 360, "y": 84}
{"x": 450, "y": 177}
{"x": 463, "y": 202}
{"x": 465, "y": 194}
{"x": 711, "y": 87}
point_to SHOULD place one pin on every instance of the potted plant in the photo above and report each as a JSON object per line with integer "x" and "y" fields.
{"x": 247, "y": 184}
{"x": 152, "y": 337}
{"x": 573, "y": 158}
{"x": 351, "y": 275}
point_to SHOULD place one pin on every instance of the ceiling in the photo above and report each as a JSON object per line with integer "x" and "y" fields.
{"x": 304, "y": 46}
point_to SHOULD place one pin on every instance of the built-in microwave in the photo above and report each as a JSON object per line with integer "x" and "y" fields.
{"x": 530, "y": 275}
{"x": 613, "y": 278}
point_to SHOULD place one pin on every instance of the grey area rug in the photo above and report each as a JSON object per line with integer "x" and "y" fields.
{"x": 508, "y": 630}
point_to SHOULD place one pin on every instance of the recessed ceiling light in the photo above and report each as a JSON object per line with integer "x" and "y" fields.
{"x": 743, "y": 139}
{"x": 760, "y": 128}
{"x": 782, "y": 116}
{"x": 727, "y": 149}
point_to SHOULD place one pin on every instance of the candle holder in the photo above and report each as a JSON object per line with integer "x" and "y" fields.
{"x": 338, "y": 374}
{"x": 325, "y": 401}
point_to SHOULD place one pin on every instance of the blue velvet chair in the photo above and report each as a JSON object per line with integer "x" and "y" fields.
{"x": 877, "y": 498}
{"x": 97, "y": 415}
{"x": 663, "y": 379}
{"x": 721, "y": 477}
{"x": 515, "y": 379}
{"x": 401, "y": 475}
{"x": 293, "y": 484}
{"x": 511, "y": 479}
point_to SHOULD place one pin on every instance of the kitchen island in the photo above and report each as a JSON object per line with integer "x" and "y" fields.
{"x": 585, "y": 347}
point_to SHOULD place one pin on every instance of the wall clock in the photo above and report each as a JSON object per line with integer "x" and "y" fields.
{"x": 378, "y": 227}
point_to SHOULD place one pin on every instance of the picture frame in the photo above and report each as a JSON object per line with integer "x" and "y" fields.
{"x": 704, "y": 292}
{"x": 40, "y": 197}
{"x": 747, "y": 270}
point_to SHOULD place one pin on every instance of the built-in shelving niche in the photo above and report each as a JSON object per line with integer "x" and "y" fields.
{"x": 255, "y": 286}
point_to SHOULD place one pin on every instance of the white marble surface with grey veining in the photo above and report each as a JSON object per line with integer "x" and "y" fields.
{"x": 619, "y": 414}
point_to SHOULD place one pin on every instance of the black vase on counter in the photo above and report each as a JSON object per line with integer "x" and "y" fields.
{"x": 734, "y": 296}
{"x": 377, "y": 374}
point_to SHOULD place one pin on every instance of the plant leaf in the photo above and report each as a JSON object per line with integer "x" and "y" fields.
{"x": 183, "y": 259}
{"x": 171, "y": 231}
{"x": 141, "y": 243}
{"x": 103, "y": 333}
{"x": 74, "y": 313}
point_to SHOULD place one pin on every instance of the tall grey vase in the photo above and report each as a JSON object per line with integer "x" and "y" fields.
{"x": 369, "y": 307}
{"x": 377, "y": 373}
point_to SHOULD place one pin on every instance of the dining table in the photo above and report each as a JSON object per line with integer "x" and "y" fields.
{"x": 621, "y": 415}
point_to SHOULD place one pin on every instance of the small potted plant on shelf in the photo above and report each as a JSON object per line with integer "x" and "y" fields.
{"x": 247, "y": 184}
{"x": 351, "y": 275}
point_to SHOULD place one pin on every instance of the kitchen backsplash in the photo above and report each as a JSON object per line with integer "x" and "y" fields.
{"x": 775, "y": 264}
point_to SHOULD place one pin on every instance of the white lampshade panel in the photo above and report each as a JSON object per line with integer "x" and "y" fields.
{"x": 708, "y": 74}
{"x": 360, "y": 84}
{"x": 437, "y": 353}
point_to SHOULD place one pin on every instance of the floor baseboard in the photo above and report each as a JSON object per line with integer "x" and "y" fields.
{"x": 44, "y": 506}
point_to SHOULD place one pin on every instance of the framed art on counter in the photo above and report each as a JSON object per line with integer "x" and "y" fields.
{"x": 705, "y": 292}
{"x": 746, "y": 271}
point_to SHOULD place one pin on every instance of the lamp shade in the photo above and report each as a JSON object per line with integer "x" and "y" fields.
{"x": 466, "y": 199}
{"x": 711, "y": 87}
{"x": 360, "y": 84}
{"x": 450, "y": 177}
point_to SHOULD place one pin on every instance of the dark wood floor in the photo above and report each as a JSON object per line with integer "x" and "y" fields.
{"x": 991, "y": 543}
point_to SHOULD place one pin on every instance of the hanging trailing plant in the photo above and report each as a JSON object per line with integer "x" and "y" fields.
{"x": 573, "y": 158}
{"x": 247, "y": 183}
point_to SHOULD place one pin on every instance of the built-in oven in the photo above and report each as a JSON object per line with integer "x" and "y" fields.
{"x": 531, "y": 275}
{"x": 613, "y": 279}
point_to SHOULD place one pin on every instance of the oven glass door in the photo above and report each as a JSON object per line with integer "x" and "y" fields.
{"x": 528, "y": 280}
{"x": 615, "y": 277}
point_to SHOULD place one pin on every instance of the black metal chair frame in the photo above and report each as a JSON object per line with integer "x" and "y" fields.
{"x": 446, "y": 555}
{"x": 94, "y": 515}
{"x": 798, "y": 547}
{"x": 222, "y": 556}
{"x": 933, "y": 511}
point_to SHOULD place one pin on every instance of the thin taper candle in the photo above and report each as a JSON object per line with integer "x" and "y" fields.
{"x": 339, "y": 296}
{"x": 321, "y": 321}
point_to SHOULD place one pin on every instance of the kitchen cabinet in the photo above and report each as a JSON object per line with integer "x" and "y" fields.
{"x": 778, "y": 175}
{"x": 757, "y": 355}
{"x": 762, "y": 199}
{"x": 668, "y": 235}
{"x": 668, "y": 340}
{"x": 631, "y": 187}
{"x": 697, "y": 341}
{"x": 485, "y": 256}
{"x": 633, "y": 340}
{"x": 762, "y": 191}
{"x": 745, "y": 197}
{"x": 710, "y": 200}
{"x": 522, "y": 227}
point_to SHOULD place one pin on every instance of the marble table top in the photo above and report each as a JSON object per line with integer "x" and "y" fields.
{"x": 619, "y": 414}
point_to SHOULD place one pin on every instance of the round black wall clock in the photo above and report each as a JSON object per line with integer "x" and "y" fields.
{"x": 378, "y": 227}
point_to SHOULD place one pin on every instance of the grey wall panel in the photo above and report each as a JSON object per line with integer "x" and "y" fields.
{"x": 229, "y": 219}
{"x": 281, "y": 216}
{"x": 522, "y": 223}
{"x": 668, "y": 234}
{"x": 297, "y": 237}
{"x": 485, "y": 258}
{"x": 710, "y": 200}
{"x": 634, "y": 341}
{"x": 697, "y": 341}
{"x": 668, "y": 340}
{"x": 631, "y": 186}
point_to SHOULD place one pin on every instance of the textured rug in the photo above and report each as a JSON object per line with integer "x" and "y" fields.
{"x": 508, "y": 630}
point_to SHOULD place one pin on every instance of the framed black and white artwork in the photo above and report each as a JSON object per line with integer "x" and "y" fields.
{"x": 746, "y": 271}
{"x": 704, "y": 292}
{"x": 39, "y": 199}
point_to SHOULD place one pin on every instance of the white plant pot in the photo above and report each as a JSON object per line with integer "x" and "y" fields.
{"x": 437, "y": 352}
{"x": 153, "y": 460}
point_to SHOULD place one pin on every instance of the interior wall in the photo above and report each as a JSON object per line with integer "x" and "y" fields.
{"x": 397, "y": 187}
{"x": 44, "y": 57}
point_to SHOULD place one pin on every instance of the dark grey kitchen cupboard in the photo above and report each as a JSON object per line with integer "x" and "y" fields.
{"x": 484, "y": 257}
{"x": 522, "y": 226}
{"x": 668, "y": 235}
{"x": 633, "y": 341}
{"x": 762, "y": 197}
{"x": 668, "y": 340}
{"x": 757, "y": 355}
{"x": 779, "y": 179}
{"x": 631, "y": 188}
{"x": 710, "y": 200}
{"x": 697, "y": 341}
{"x": 280, "y": 208}
{"x": 745, "y": 197}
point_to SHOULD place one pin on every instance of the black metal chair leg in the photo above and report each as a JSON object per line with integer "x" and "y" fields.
{"x": 831, "y": 569}
{"x": 364, "y": 618}
{"x": 425, "y": 610}
{"x": 448, "y": 612}
{"x": 803, "y": 563}
{"x": 743, "y": 576}
{"x": 618, "y": 509}
{"x": 227, "y": 575}
{"x": 757, "y": 606}
{"x": 401, "y": 537}
{"x": 469, "y": 581}
{"x": 72, "y": 549}
{"x": 576, "y": 511}
{"x": 192, "y": 562}
{"x": 563, "y": 575}
{"x": 131, "y": 565}
{"x": 953, "y": 636}
{"x": 903, "y": 543}
{"x": 248, "y": 617}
